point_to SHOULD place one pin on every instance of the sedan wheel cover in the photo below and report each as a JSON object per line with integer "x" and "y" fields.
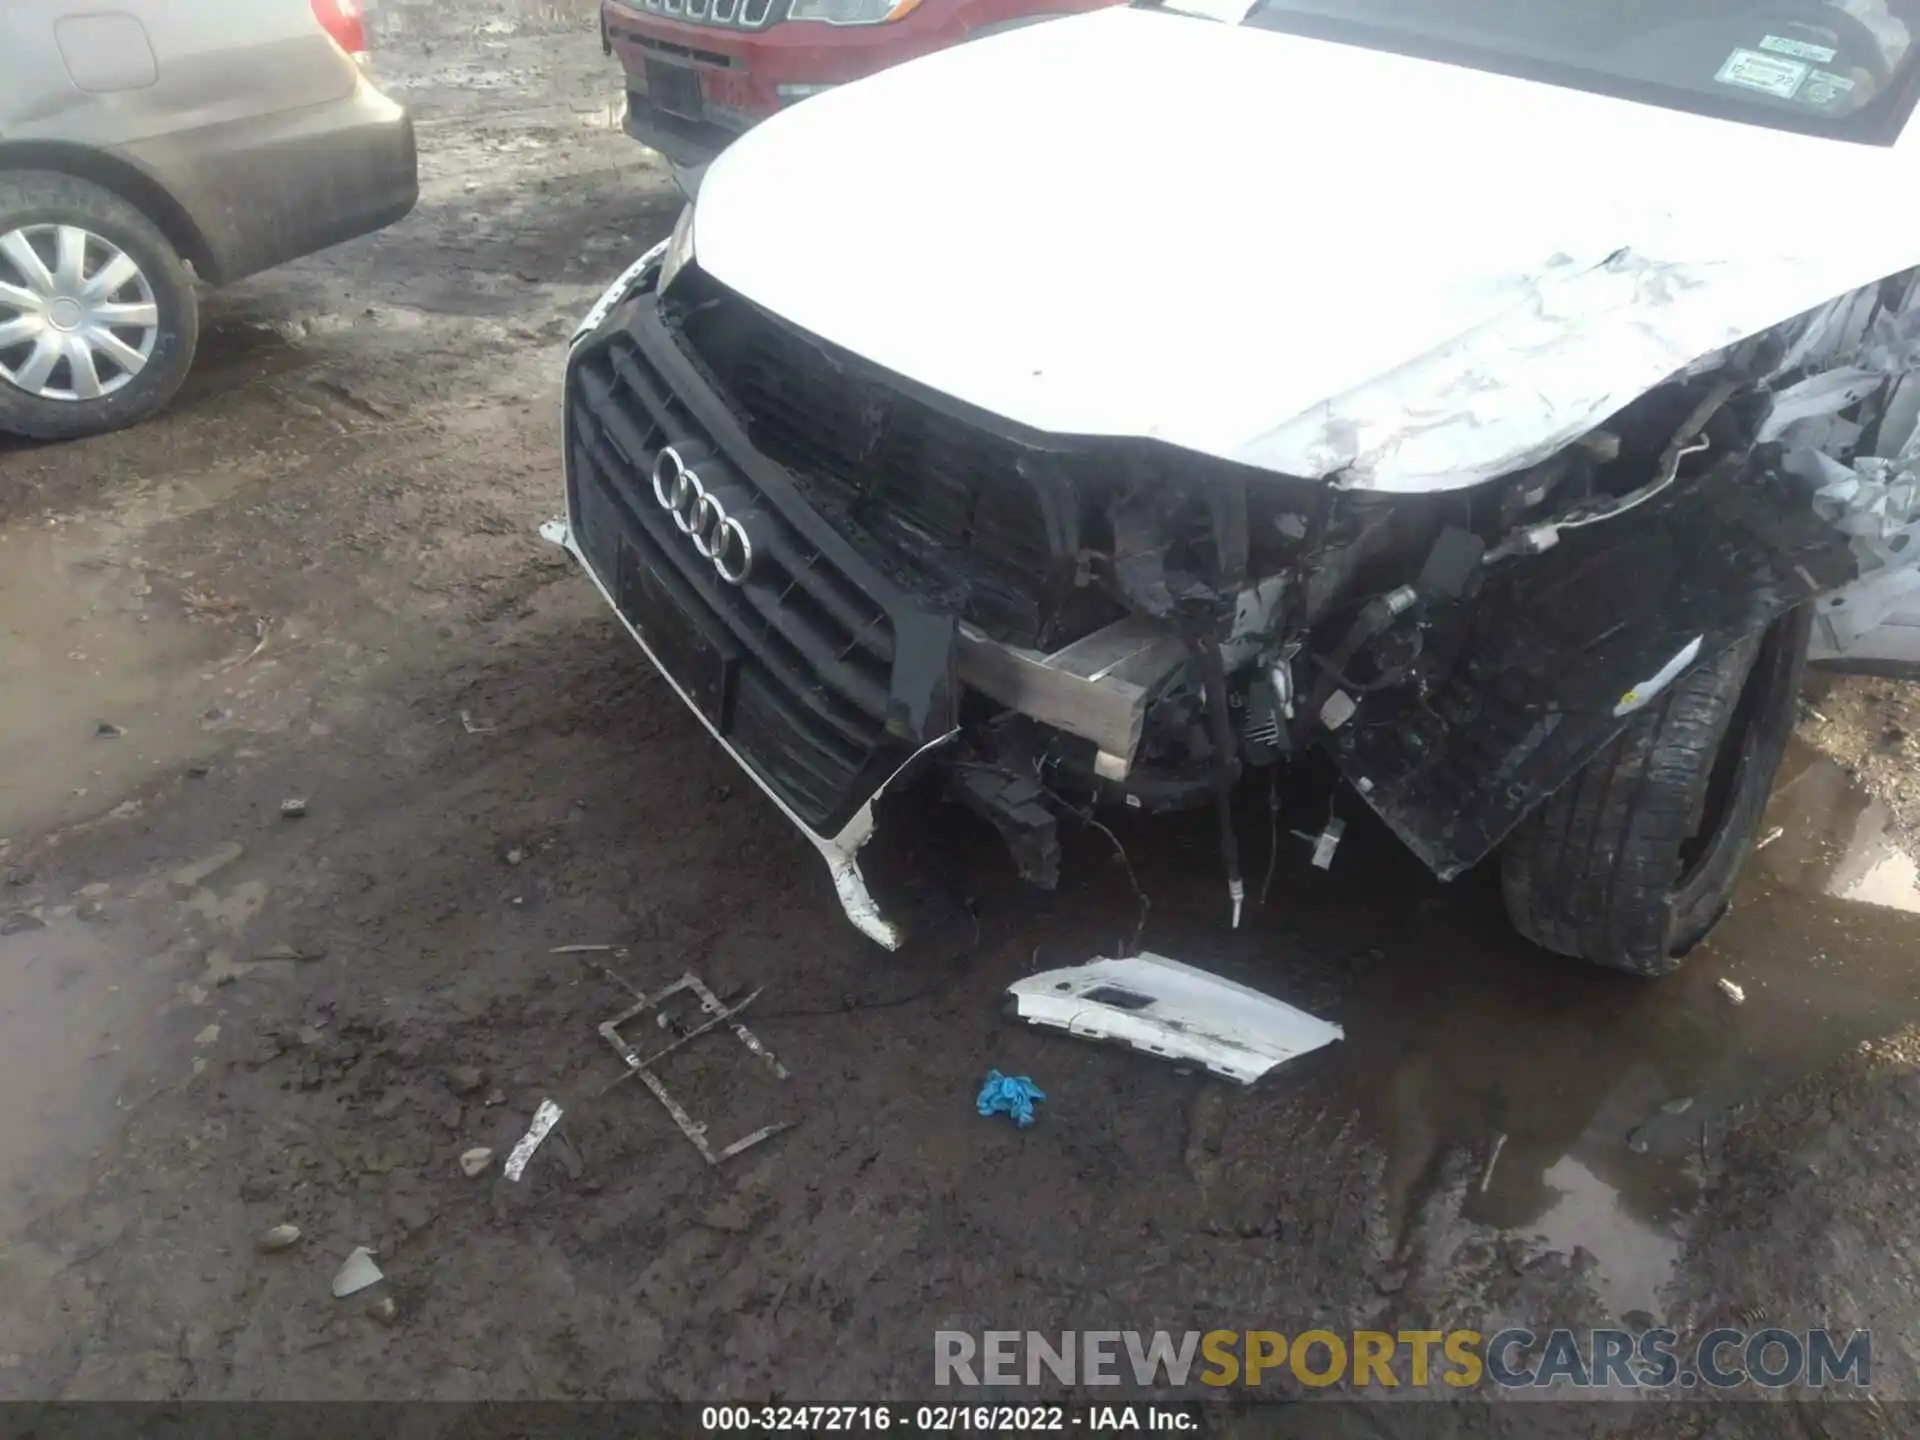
{"x": 78, "y": 320}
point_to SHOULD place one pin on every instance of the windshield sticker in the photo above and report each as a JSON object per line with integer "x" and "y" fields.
{"x": 1825, "y": 87}
{"x": 1799, "y": 49}
{"x": 1751, "y": 70}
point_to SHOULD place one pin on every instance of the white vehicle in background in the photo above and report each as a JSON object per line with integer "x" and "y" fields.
{"x": 1501, "y": 397}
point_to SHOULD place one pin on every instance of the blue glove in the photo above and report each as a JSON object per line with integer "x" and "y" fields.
{"x": 1009, "y": 1095}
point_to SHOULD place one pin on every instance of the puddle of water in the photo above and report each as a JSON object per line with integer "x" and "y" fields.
{"x": 76, "y": 615}
{"x": 1824, "y": 834}
{"x": 65, "y": 1007}
{"x": 1588, "y": 1212}
{"x": 1606, "y": 1096}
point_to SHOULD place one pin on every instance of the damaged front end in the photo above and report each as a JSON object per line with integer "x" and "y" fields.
{"x": 849, "y": 577}
{"x": 824, "y": 680}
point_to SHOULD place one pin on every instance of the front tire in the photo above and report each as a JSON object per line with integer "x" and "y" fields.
{"x": 98, "y": 313}
{"x": 1634, "y": 860}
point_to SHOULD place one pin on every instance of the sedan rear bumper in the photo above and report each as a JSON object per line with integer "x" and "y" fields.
{"x": 270, "y": 189}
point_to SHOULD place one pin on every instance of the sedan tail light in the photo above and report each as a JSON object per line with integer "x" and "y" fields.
{"x": 346, "y": 22}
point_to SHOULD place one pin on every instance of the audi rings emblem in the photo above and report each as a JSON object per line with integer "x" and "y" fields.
{"x": 702, "y": 517}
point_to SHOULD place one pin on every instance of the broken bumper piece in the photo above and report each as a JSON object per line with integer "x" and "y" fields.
{"x": 1175, "y": 1011}
{"x": 842, "y": 848}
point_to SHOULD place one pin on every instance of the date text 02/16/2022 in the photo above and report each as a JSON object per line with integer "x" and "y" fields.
{"x": 909, "y": 1419}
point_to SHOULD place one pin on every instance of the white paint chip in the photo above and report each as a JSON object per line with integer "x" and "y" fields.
{"x": 356, "y": 1273}
{"x": 544, "y": 1119}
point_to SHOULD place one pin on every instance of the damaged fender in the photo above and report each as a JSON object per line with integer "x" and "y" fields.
{"x": 1563, "y": 646}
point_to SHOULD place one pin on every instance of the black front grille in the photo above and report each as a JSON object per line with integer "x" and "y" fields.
{"x": 797, "y": 666}
{"x": 975, "y": 521}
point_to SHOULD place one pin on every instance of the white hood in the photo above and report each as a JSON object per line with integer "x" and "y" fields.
{"x": 1310, "y": 257}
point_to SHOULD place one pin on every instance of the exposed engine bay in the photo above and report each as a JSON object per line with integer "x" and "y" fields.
{"x": 1144, "y": 627}
{"x": 855, "y": 580}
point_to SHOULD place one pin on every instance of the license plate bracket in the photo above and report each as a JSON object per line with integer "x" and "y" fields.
{"x": 701, "y": 660}
{"x": 675, "y": 90}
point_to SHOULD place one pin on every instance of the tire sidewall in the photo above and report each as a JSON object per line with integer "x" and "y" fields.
{"x": 1608, "y": 869}
{"x": 173, "y": 293}
{"x": 1703, "y": 897}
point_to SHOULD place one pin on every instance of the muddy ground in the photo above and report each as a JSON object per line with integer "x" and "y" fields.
{"x": 317, "y": 579}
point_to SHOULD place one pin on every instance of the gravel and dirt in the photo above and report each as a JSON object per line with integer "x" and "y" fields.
{"x": 317, "y": 579}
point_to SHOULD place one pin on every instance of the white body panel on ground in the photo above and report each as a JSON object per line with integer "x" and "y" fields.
{"x": 1174, "y": 1011}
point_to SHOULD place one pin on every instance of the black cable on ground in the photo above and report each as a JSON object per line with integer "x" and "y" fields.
{"x": 1087, "y": 817}
{"x": 853, "y": 1004}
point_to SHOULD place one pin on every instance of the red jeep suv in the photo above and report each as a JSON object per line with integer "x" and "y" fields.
{"x": 699, "y": 72}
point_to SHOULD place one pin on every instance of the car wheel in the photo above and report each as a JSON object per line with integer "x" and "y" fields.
{"x": 98, "y": 314}
{"x": 1634, "y": 860}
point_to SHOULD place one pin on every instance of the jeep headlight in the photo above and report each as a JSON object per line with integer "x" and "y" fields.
{"x": 679, "y": 249}
{"x": 850, "y": 12}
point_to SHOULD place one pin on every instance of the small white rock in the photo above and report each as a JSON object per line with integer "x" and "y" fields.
{"x": 475, "y": 1160}
{"x": 280, "y": 1237}
{"x": 356, "y": 1274}
{"x": 1733, "y": 992}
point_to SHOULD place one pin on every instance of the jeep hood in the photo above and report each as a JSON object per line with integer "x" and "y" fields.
{"x": 1309, "y": 257}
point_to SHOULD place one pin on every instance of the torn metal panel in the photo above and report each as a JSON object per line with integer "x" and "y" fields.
{"x": 1175, "y": 1011}
{"x": 1830, "y": 331}
{"x": 1875, "y": 622}
{"x": 1096, "y": 688}
{"x": 1135, "y": 649}
{"x": 1874, "y": 501}
{"x": 1821, "y": 396}
{"x": 1562, "y": 648}
{"x": 1875, "y": 504}
{"x": 1888, "y": 646}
